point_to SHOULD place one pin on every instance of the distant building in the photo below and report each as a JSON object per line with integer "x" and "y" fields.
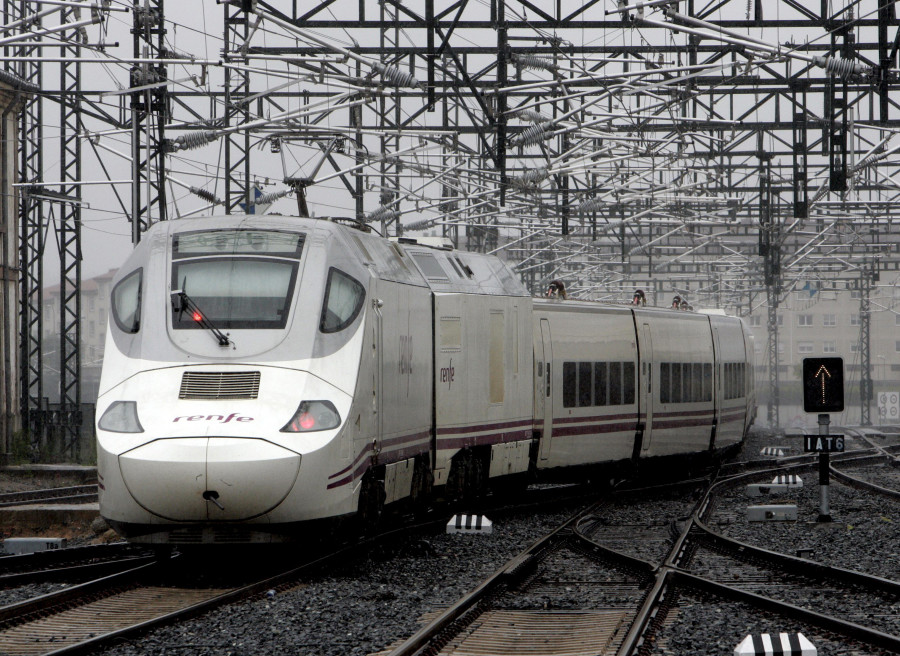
{"x": 815, "y": 323}
{"x": 94, "y": 319}
{"x": 13, "y": 93}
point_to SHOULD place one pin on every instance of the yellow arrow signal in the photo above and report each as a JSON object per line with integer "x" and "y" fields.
{"x": 823, "y": 372}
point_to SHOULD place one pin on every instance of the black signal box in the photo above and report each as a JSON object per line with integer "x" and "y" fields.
{"x": 823, "y": 384}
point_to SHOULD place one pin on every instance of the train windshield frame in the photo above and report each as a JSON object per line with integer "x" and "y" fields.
{"x": 238, "y": 279}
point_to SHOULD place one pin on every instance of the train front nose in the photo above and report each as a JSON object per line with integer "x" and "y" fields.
{"x": 209, "y": 478}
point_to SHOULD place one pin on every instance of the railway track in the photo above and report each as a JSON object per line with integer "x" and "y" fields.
{"x": 142, "y": 592}
{"x": 84, "y": 617}
{"x": 599, "y": 586}
{"x": 71, "y": 494}
{"x": 715, "y": 569}
{"x": 70, "y": 564}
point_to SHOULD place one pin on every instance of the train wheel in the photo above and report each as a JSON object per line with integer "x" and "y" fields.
{"x": 422, "y": 483}
{"x": 371, "y": 502}
{"x": 458, "y": 478}
{"x": 468, "y": 477}
{"x": 478, "y": 481}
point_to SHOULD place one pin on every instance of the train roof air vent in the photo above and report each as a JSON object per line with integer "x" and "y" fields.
{"x": 219, "y": 385}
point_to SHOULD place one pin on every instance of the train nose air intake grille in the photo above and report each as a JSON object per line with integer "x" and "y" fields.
{"x": 219, "y": 385}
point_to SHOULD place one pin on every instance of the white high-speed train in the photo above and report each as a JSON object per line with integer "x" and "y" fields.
{"x": 265, "y": 373}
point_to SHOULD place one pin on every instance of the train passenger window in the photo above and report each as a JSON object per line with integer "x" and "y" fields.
{"x": 451, "y": 334}
{"x": 664, "y": 384}
{"x": 697, "y": 382}
{"x": 707, "y": 382}
{"x": 515, "y": 339}
{"x": 496, "y": 360}
{"x": 343, "y": 301}
{"x": 615, "y": 383}
{"x": 540, "y": 369}
{"x": 126, "y": 302}
{"x": 570, "y": 382}
{"x": 676, "y": 383}
{"x": 600, "y": 383}
{"x": 584, "y": 384}
{"x": 628, "y": 382}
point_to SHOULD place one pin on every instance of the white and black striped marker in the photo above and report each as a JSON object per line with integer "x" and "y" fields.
{"x": 772, "y": 451}
{"x": 469, "y": 524}
{"x": 784, "y": 644}
{"x": 791, "y": 480}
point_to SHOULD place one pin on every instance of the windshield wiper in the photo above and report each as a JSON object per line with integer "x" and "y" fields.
{"x": 181, "y": 302}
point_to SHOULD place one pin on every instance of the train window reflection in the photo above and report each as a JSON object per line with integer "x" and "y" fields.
{"x": 126, "y": 302}
{"x": 343, "y": 301}
{"x": 584, "y": 384}
{"x": 236, "y": 292}
{"x": 615, "y": 383}
{"x": 237, "y": 242}
{"x": 628, "y": 382}
{"x": 570, "y": 382}
{"x": 600, "y": 384}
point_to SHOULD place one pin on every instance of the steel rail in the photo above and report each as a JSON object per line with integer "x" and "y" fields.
{"x": 73, "y": 492}
{"x": 844, "y": 477}
{"x": 511, "y": 571}
{"x": 73, "y": 572}
{"x": 671, "y": 573}
{"x": 56, "y": 557}
{"x": 827, "y": 622}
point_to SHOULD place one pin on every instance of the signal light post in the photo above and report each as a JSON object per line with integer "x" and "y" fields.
{"x": 823, "y": 392}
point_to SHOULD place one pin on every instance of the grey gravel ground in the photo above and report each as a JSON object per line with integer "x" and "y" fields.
{"x": 863, "y": 535}
{"x": 359, "y": 609}
{"x": 15, "y": 595}
{"x": 369, "y": 604}
{"x": 883, "y": 475}
{"x": 704, "y": 626}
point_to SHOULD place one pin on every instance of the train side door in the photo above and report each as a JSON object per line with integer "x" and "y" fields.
{"x": 647, "y": 384}
{"x": 378, "y": 366}
{"x": 546, "y": 389}
{"x": 718, "y": 389}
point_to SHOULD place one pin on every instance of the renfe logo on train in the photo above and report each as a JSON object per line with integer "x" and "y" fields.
{"x": 222, "y": 419}
{"x": 447, "y": 374}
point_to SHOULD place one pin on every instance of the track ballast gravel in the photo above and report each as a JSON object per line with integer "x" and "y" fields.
{"x": 374, "y": 602}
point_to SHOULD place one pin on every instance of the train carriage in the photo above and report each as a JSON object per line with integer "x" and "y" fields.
{"x": 262, "y": 374}
{"x": 589, "y": 356}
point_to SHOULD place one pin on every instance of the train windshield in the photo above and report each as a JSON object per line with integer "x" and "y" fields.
{"x": 240, "y": 279}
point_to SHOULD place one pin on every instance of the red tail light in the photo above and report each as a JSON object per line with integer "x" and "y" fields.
{"x": 313, "y": 416}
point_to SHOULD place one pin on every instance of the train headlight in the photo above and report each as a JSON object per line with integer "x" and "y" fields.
{"x": 121, "y": 417}
{"x": 313, "y": 416}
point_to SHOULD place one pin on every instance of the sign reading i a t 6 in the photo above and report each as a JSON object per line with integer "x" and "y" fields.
{"x": 823, "y": 384}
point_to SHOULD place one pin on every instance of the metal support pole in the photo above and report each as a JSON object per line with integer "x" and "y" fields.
{"x": 824, "y": 458}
